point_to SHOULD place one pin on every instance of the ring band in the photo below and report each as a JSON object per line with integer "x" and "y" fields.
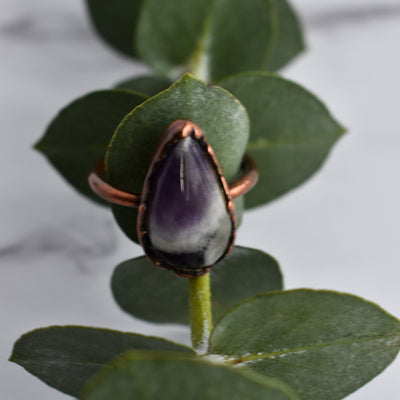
{"x": 113, "y": 195}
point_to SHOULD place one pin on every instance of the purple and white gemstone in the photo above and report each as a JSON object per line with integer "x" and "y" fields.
{"x": 189, "y": 225}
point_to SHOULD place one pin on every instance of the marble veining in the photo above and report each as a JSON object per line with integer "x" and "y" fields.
{"x": 352, "y": 15}
{"x": 81, "y": 242}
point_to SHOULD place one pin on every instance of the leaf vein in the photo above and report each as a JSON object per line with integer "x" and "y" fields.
{"x": 272, "y": 355}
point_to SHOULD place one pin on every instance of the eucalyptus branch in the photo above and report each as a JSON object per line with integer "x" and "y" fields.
{"x": 170, "y": 149}
{"x": 200, "y": 312}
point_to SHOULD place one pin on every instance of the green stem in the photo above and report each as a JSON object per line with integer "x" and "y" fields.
{"x": 200, "y": 312}
{"x": 199, "y": 66}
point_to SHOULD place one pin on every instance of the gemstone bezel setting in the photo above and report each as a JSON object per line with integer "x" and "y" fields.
{"x": 176, "y": 132}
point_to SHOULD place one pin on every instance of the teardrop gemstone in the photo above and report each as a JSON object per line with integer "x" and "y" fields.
{"x": 188, "y": 223}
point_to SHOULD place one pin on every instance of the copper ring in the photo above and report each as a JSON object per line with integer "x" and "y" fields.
{"x": 110, "y": 193}
{"x": 186, "y": 262}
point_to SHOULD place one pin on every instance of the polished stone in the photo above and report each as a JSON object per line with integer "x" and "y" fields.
{"x": 189, "y": 225}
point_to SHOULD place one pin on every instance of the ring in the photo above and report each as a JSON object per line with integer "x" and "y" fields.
{"x": 186, "y": 218}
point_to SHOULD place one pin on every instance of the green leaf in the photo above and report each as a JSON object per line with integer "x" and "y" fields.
{"x": 116, "y": 22}
{"x": 169, "y": 32}
{"x": 222, "y": 118}
{"x": 147, "y": 85}
{"x": 289, "y": 38}
{"x": 213, "y": 39}
{"x": 153, "y": 294}
{"x": 239, "y": 207}
{"x": 325, "y": 344}
{"x": 126, "y": 219}
{"x": 66, "y": 357}
{"x": 174, "y": 376}
{"x": 78, "y": 136}
{"x": 241, "y": 37}
{"x": 291, "y": 134}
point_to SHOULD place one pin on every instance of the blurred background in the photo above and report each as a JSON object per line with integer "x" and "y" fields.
{"x": 340, "y": 230}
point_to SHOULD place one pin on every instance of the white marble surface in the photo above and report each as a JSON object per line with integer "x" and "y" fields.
{"x": 339, "y": 231}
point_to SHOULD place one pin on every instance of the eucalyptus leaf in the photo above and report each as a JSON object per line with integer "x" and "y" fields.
{"x": 126, "y": 219}
{"x": 174, "y": 376}
{"x": 66, "y": 357}
{"x": 239, "y": 208}
{"x": 147, "y": 292}
{"x": 116, "y": 22}
{"x": 289, "y": 39}
{"x": 215, "y": 39}
{"x": 78, "y": 136}
{"x": 325, "y": 344}
{"x": 147, "y": 85}
{"x": 221, "y": 117}
{"x": 241, "y": 37}
{"x": 291, "y": 134}
{"x": 169, "y": 32}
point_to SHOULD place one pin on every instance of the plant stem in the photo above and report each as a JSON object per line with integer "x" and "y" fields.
{"x": 200, "y": 312}
{"x": 199, "y": 66}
